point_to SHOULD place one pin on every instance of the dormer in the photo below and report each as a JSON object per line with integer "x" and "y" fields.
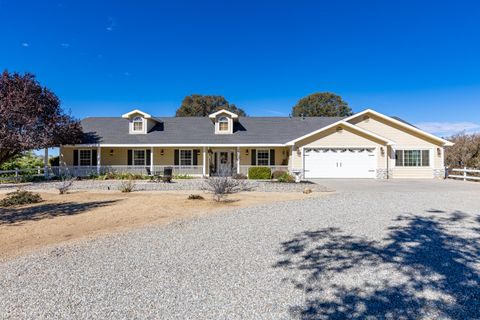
{"x": 139, "y": 122}
{"x": 223, "y": 120}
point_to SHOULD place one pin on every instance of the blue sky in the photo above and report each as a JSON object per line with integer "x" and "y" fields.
{"x": 415, "y": 59}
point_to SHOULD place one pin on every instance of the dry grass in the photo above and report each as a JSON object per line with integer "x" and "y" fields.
{"x": 87, "y": 213}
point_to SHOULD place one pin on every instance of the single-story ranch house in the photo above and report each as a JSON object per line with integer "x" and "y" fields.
{"x": 365, "y": 145}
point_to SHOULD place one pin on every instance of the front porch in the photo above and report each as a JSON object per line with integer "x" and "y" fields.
{"x": 191, "y": 161}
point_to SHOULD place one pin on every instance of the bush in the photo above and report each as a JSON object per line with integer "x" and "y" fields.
{"x": 65, "y": 184}
{"x": 182, "y": 176}
{"x": 239, "y": 176}
{"x": 195, "y": 197}
{"x": 259, "y": 173}
{"x": 127, "y": 186}
{"x": 278, "y": 173}
{"x": 223, "y": 186}
{"x": 286, "y": 177}
{"x": 20, "y": 197}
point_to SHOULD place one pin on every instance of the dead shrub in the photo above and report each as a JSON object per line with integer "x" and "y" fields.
{"x": 220, "y": 187}
{"x": 195, "y": 197}
{"x": 20, "y": 197}
{"x": 65, "y": 184}
{"x": 127, "y": 186}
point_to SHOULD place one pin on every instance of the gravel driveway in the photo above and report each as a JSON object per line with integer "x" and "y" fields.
{"x": 366, "y": 253}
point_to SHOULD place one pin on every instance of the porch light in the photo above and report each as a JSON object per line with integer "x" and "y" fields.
{"x": 246, "y": 152}
{"x": 111, "y": 152}
{"x": 382, "y": 151}
{"x": 439, "y": 152}
{"x": 162, "y": 152}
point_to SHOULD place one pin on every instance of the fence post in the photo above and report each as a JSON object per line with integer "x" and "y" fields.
{"x": 464, "y": 173}
{"x": 38, "y": 170}
{"x": 16, "y": 174}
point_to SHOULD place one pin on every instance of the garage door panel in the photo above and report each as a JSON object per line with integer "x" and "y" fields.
{"x": 339, "y": 162}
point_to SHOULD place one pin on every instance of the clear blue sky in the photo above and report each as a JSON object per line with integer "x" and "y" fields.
{"x": 419, "y": 60}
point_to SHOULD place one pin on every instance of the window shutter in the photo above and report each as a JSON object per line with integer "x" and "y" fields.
{"x": 75, "y": 157}
{"x": 94, "y": 157}
{"x": 176, "y": 157}
{"x": 130, "y": 157}
{"x": 272, "y": 157}
{"x": 148, "y": 156}
{"x": 195, "y": 157}
{"x": 399, "y": 158}
{"x": 254, "y": 157}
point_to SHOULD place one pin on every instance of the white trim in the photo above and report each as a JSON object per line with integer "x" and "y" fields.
{"x": 151, "y": 160}
{"x": 133, "y": 157}
{"x": 136, "y": 111}
{"x": 431, "y": 158}
{"x": 175, "y": 145}
{"x": 99, "y": 159}
{"x": 204, "y": 163}
{"x": 348, "y": 125}
{"x": 180, "y": 157}
{"x": 400, "y": 123}
{"x": 256, "y": 157}
{"x": 215, "y": 114}
{"x": 91, "y": 162}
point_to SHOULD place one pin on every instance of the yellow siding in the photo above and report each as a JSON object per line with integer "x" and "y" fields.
{"x": 344, "y": 138}
{"x": 403, "y": 138}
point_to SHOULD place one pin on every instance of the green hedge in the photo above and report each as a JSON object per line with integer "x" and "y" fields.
{"x": 259, "y": 173}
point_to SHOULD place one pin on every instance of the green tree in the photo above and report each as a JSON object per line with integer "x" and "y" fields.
{"x": 25, "y": 160}
{"x": 197, "y": 105}
{"x": 322, "y": 104}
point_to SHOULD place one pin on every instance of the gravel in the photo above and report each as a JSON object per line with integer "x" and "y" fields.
{"x": 353, "y": 254}
{"x": 183, "y": 184}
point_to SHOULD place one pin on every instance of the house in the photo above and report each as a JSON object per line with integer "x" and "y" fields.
{"x": 365, "y": 145}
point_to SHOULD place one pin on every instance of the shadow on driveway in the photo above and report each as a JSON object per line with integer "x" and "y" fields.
{"x": 422, "y": 269}
{"x": 50, "y": 210}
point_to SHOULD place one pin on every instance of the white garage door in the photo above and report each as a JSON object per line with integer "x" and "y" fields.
{"x": 340, "y": 162}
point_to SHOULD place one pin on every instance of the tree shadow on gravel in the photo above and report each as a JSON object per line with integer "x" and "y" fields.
{"x": 422, "y": 269}
{"x": 16, "y": 216}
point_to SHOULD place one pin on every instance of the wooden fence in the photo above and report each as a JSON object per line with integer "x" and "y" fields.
{"x": 465, "y": 174}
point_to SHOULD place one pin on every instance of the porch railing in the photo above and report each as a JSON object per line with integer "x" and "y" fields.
{"x": 84, "y": 171}
{"x": 244, "y": 169}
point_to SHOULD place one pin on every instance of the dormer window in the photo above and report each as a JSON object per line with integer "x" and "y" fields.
{"x": 223, "y": 120}
{"x": 223, "y": 124}
{"x": 137, "y": 124}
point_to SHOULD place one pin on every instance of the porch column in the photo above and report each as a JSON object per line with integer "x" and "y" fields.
{"x": 204, "y": 169}
{"x": 151, "y": 160}
{"x": 45, "y": 163}
{"x": 238, "y": 160}
{"x": 99, "y": 159}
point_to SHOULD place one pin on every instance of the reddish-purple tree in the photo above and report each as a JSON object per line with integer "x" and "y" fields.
{"x": 31, "y": 117}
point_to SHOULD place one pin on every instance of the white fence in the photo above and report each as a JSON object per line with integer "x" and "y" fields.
{"x": 17, "y": 174}
{"x": 465, "y": 174}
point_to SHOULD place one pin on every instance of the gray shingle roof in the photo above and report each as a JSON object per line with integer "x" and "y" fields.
{"x": 201, "y": 130}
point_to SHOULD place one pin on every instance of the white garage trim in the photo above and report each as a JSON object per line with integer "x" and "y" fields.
{"x": 367, "y": 170}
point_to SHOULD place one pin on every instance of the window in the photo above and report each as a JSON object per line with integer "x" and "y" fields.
{"x": 186, "y": 157}
{"x": 263, "y": 157}
{"x": 139, "y": 157}
{"x": 85, "y": 157}
{"x": 223, "y": 124}
{"x": 137, "y": 124}
{"x": 412, "y": 158}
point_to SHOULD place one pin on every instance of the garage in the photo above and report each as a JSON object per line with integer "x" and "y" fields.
{"x": 340, "y": 162}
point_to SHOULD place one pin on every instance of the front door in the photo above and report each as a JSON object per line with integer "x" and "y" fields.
{"x": 224, "y": 163}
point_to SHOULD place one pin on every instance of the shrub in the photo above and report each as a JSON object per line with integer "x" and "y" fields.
{"x": 286, "y": 177}
{"x": 195, "y": 197}
{"x": 20, "y": 197}
{"x": 239, "y": 176}
{"x": 65, "y": 184}
{"x": 278, "y": 173}
{"x": 127, "y": 186}
{"x": 259, "y": 173}
{"x": 223, "y": 186}
{"x": 182, "y": 176}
